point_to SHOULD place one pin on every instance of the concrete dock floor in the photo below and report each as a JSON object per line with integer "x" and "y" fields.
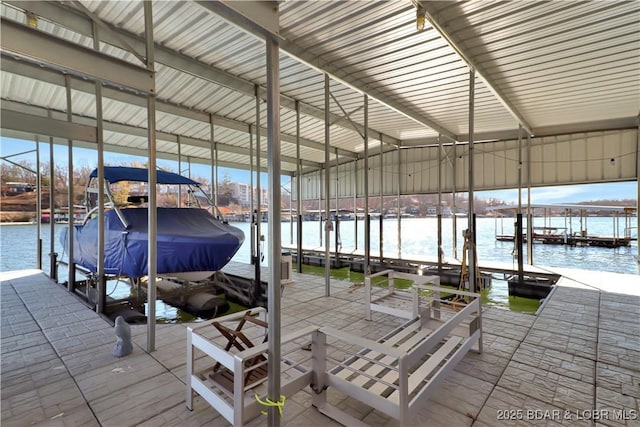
{"x": 576, "y": 363}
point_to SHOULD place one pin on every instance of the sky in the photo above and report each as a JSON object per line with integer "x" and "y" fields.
{"x": 86, "y": 157}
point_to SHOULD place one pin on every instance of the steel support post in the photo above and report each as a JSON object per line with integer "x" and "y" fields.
{"x": 39, "y": 208}
{"x": 367, "y": 223}
{"x": 258, "y": 224}
{"x": 439, "y": 210}
{"x": 273, "y": 150}
{"x": 381, "y": 236}
{"x": 529, "y": 210}
{"x": 179, "y": 143}
{"x": 454, "y": 220}
{"x": 101, "y": 280}
{"x": 327, "y": 191}
{"x": 152, "y": 262}
{"x": 53, "y": 256}
{"x": 471, "y": 252}
{"x": 213, "y": 149}
{"x": 71, "y": 280}
{"x": 298, "y": 192}
{"x": 398, "y": 207}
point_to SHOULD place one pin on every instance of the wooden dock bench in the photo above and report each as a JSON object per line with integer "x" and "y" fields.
{"x": 397, "y": 373}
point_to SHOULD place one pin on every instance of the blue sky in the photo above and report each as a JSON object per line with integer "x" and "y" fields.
{"x": 85, "y": 157}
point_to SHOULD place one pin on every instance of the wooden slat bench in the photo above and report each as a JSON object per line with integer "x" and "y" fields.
{"x": 397, "y": 373}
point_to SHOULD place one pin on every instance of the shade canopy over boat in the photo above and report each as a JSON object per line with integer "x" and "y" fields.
{"x": 115, "y": 174}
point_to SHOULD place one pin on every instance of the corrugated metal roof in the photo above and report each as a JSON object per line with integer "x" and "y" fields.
{"x": 554, "y": 63}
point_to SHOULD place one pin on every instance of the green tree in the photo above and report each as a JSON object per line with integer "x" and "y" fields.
{"x": 225, "y": 192}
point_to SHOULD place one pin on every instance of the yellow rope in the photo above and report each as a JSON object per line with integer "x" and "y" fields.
{"x": 268, "y": 402}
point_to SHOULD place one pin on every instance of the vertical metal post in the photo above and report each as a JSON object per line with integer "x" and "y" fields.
{"x": 257, "y": 272}
{"x": 152, "y": 262}
{"x": 101, "y": 281}
{"x": 39, "y": 208}
{"x": 439, "y": 210}
{"x": 454, "y": 220}
{"x": 367, "y": 223}
{"x": 273, "y": 153}
{"x": 216, "y": 174}
{"x": 381, "y": 239}
{"x": 327, "y": 191}
{"x": 179, "y": 141}
{"x": 214, "y": 163}
{"x": 298, "y": 191}
{"x": 529, "y": 210}
{"x": 398, "y": 203}
{"x": 355, "y": 203}
{"x": 519, "y": 238}
{"x": 638, "y": 184}
{"x": 336, "y": 229}
{"x": 71, "y": 283}
{"x": 253, "y": 255}
{"x": 471, "y": 253}
{"x": 320, "y": 204}
{"x": 52, "y": 207}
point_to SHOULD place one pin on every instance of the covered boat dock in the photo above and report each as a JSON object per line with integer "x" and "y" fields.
{"x": 358, "y": 100}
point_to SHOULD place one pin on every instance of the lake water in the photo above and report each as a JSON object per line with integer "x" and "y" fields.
{"x": 418, "y": 238}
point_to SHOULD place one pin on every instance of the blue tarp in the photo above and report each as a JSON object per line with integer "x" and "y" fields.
{"x": 125, "y": 173}
{"x": 188, "y": 240}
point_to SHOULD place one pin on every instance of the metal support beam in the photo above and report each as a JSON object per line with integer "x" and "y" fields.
{"x": 471, "y": 251}
{"x": 39, "y": 208}
{"x": 258, "y": 212}
{"x": 29, "y": 123}
{"x": 431, "y": 14}
{"x": 273, "y": 148}
{"x": 298, "y": 193}
{"x": 101, "y": 281}
{"x": 214, "y": 181}
{"x": 71, "y": 271}
{"x": 52, "y": 207}
{"x": 50, "y": 76}
{"x": 152, "y": 262}
{"x": 42, "y": 48}
{"x": 439, "y": 209}
{"x": 367, "y": 224}
{"x": 398, "y": 206}
{"x": 327, "y": 191}
{"x": 381, "y": 235}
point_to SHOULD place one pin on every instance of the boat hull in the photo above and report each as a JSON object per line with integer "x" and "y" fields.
{"x": 188, "y": 241}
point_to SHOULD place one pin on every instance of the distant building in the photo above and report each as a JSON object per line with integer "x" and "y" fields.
{"x": 242, "y": 193}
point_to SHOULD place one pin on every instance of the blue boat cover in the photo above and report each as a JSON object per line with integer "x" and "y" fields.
{"x": 125, "y": 173}
{"x": 188, "y": 240}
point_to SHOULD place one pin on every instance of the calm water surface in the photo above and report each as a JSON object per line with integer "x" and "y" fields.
{"x": 18, "y": 245}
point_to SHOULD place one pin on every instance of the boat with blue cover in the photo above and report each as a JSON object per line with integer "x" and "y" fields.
{"x": 193, "y": 239}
